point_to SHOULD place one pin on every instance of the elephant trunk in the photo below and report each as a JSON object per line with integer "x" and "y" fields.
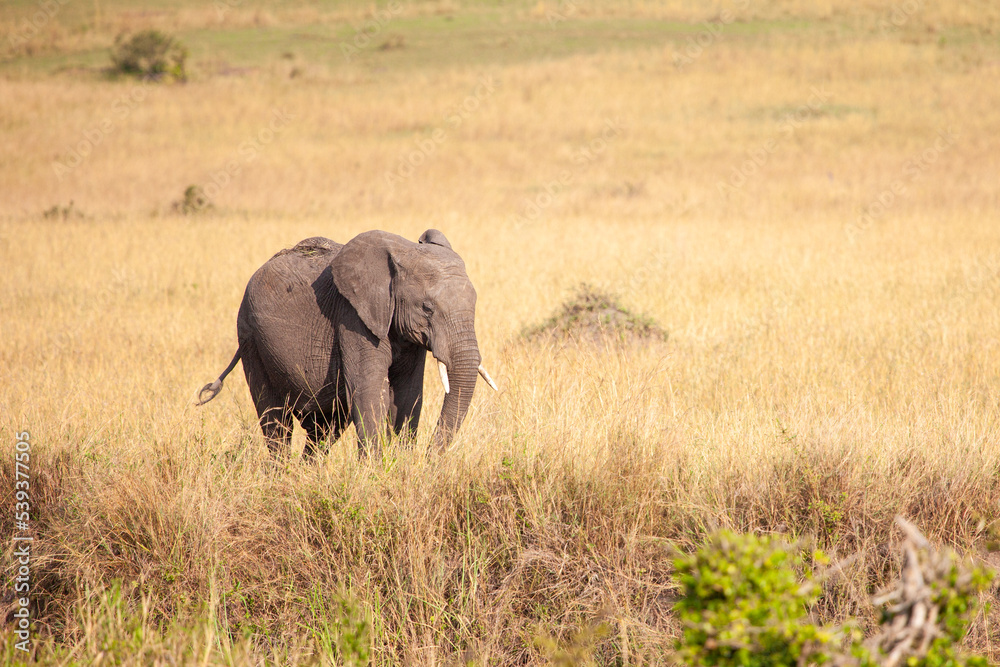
{"x": 462, "y": 371}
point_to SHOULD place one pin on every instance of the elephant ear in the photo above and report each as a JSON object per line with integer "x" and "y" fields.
{"x": 362, "y": 272}
{"x": 434, "y": 237}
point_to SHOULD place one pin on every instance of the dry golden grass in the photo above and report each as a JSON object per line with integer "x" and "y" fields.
{"x": 823, "y": 372}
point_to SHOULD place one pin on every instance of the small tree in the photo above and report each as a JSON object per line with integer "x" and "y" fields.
{"x": 150, "y": 54}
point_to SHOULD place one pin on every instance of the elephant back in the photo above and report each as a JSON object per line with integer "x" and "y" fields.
{"x": 287, "y": 315}
{"x": 314, "y": 246}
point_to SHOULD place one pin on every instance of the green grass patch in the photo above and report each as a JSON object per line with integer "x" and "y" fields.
{"x": 480, "y": 36}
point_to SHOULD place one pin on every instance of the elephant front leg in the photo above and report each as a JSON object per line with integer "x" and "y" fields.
{"x": 365, "y": 362}
{"x": 370, "y": 414}
{"x": 406, "y": 379}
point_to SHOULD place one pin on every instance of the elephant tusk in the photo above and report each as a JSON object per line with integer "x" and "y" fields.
{"x": 486, "y": 376}
{"x": 444, "y": 377}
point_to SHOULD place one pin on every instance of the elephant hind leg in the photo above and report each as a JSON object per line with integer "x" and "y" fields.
{"x": 317, "y": 426}
{"x": 320, "y": 427}
{"x": 273, "y": 412}
{"x": 276, "y": 424}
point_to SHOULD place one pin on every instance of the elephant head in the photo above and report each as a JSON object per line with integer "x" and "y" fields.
{"x": 419, "y": 295}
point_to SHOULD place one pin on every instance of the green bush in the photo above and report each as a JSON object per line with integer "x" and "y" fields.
{"x": 744, "y": 604}
{"x": 341, "y": 630}
{"x": 746, "y": 601}
{"x": 150, "y": 54}
{"x": 194, "y": 200}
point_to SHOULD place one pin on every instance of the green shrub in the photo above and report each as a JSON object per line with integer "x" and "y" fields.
{"x": 746, "y": 600}
{"x": 149, "y": 54}
{"x": 341, "y": 630}
{"x": 194, "y": 200}
{"x": 744, "y": 604}
{"x": 579, "y": 651}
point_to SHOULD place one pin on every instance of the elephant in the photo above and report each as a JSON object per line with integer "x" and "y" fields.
{"x": 336, "y": 334}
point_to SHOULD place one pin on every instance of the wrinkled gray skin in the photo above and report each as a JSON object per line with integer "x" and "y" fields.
{"x": 335, "y": 334}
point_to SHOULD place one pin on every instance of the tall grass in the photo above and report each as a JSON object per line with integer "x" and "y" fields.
{"x": 821, "y": 374}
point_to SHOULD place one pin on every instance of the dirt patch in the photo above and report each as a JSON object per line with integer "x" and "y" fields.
{"x": 593, "y": 315}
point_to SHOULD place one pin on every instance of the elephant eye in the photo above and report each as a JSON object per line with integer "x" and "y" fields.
{"x": 427, "y": 309}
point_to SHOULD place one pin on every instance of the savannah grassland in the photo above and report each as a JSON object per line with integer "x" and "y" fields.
{"x": 823, "y": 372}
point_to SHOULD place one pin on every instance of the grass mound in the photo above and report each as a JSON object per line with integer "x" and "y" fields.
{"x": 593, "y": 315}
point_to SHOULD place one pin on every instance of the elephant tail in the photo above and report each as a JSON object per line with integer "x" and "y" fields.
{"x": 212, "y": 389}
